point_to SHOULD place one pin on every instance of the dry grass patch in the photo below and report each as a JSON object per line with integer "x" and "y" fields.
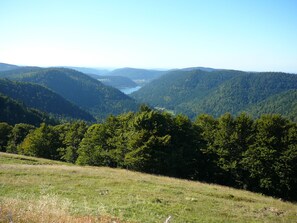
{"x": 49, "y": 208}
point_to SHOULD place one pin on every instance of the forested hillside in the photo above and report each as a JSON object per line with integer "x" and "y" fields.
{"x": 43, "y": 99}
{"x": 283, "y": 103}
{"x": 80, "y": 89}
{"x": 6, "y": 67}
{"x": 178, "y": 87}
{"x": 18, "y": 71}
{"x": 13, "y": 112}
{"x": 88, "y": 70}
{"x": 217, "y": 92}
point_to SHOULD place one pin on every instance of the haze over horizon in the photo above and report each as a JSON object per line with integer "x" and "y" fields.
{"x": 228, "y": 34}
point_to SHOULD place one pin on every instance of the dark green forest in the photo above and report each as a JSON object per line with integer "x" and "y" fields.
{"x": 284, "y": 103}
{"x": 194, "y": 92}
{"x": 41, "y": 98}
{"x": 239, "y": 151}
{"x": 14, "y": 112}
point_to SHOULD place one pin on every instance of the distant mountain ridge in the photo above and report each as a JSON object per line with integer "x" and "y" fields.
{"x": 7, "y": 67}
{"x": 195, "y": 92}
{"x": 86, "y": 92}
{"x": 139, "y": 76}
{"x": 88, "y": 70}
{"x": 18, "y": 71}
{"x": 118, "y": 82}
{"x": 191, "y": 91}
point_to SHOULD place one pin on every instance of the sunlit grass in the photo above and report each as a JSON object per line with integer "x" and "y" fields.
{"x": 52, "y": 192}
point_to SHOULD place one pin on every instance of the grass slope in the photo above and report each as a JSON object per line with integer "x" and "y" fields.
{"x": 39, "y": 190}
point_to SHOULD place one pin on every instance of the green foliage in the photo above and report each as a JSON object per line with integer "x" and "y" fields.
{"x": 176, "y": 89}
{"x": 145, "y": 141}
{"x": 149, "y": 142}
{"x": 5, "y": 131}
{"x": 283, "y": 103}
{"x": 93, "y": 148}
{"x": 18, "y": 134}
{"x": 73, "y": 136}
{"x": 42, "y": 142}
{"x": 227, "y": 138}
{"x": 269, "y": 159}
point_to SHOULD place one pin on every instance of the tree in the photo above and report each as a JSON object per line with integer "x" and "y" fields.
{"x": 226, "y": 140}
{"x": 18, "y": 134}
{"x": 267, "y": 157}
{"x": 93, "y": 149}
{"x": 232, "y": 139}
{"x": 208, "y": 126}
{"x": 149, "y": 141}
{"x": 42, "y": 142}
{"x": 5, "y": 131}
{"x": 288, "y": 170}
{"x": 73, "y": 136}
{"x": 186, "y": 159}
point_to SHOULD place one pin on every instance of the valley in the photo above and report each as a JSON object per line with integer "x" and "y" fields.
{"x": 148, "y": 111}
{"x": 231, "y": 128}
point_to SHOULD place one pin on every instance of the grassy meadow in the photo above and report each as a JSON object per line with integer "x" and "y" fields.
{"x": 40, "y": 190}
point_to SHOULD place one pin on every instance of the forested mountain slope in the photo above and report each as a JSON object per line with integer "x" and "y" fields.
{"x": 13, "y": 112}
{"x": 6, "y": 67}
{"x": 43, "y": 99}
{"x": 82, "y": 90}
{"x": 89, "y": 70}
{"x": 217, "y": 92}
{"x": 284, "y": 103}
{"x": 18, "y": 71}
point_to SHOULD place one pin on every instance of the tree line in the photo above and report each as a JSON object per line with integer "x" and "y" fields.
{"x": 254, "y": 154}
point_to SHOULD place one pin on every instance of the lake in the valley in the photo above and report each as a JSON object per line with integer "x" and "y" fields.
{"x": 130, "y": 90}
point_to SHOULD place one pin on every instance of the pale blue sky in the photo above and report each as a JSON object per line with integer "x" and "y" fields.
{"x": 258, "y": 35}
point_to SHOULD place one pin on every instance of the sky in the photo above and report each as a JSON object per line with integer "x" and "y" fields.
{"x": 251, "y": 35}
